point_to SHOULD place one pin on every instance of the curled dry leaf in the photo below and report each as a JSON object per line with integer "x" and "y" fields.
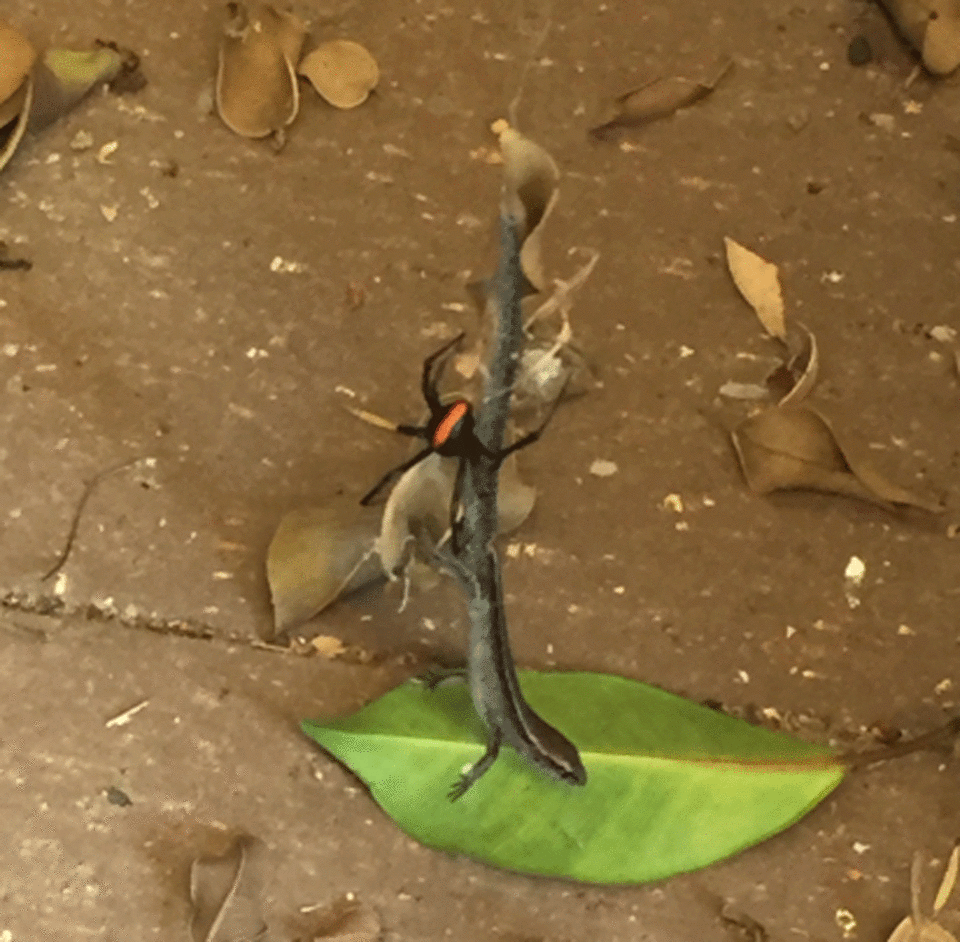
{"x": 257, "y": 92}
{"x": 516, "y": 499}
{"x": 343, "y": 72}
{"x": 659, "y": 98}
{"x": 12, "y": 134}
{"x": 949, "y": 881}
{"x": 549, "y": 361}
{"x": 758, "y": 282}
{"x": 17, "y": 56}
{"x": 920, "y": 928}
{"x": 225, "y": 894}
{"x": 932, "y": 28}
{"x": 794, "y": 448}
{"x": 12, "y": 107}
{"x": 530, "y": 178}
{"x": 317, "y": 555}
{"x": 57, "y": 81}
{"x": 418, "y": 509}
{"x": 801, "y": 371}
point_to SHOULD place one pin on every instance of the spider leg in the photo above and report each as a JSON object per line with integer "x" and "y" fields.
{"x": 414, "y": 431}
{"x": 392, "y": 473}
{"x": 531, "y": 437}
{"x": 428, "y": 382}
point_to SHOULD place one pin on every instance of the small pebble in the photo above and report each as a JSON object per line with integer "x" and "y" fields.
{"x": 859, "y": 51}
{"x": 603, "y": 469}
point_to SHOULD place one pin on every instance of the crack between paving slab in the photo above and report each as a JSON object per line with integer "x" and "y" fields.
{"x": 53, "y": 606}
{"x": 50, "y": 605}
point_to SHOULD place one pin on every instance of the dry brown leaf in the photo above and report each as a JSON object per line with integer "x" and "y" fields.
{"x": 920, "y": 928}
{"x": 417, "y": 512}
{"x": 758, "y": 282}
{"x": 549, "y": 361}
{"x": 932, "y": 28}
{"x": 516, "y": 499}
{"x": 941, "y": 42}
{"x": 659, "y": 98}
{"x": 343, "y": 72}
{"x": 12, "y": 107}
{"x": 318, "y": 554}
{"x": 949, "y": 880}
{"x": 225, "y": 894}
{"x": 17, "y": 56}
{"x": 530, "y": 178}
{"x": 12, "y": 135}
{"x": 257, "y": 92}
{"x": 795, "y": 448}
{"x": 803, "y": 368}
{"x": 417, "y": 509}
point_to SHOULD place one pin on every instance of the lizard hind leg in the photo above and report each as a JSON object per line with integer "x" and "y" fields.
{"x": 478, "y": 769}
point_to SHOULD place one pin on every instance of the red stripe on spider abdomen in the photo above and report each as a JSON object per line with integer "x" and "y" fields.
{"x": 447, "y": 426}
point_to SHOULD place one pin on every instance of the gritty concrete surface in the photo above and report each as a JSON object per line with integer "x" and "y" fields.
{"x": 164, "y": 336}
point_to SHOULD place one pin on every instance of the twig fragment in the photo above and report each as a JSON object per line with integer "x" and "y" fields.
{"x": 121, "y": 719}
{"x": 936, "y": 737}
{"x": 88, "y": 490}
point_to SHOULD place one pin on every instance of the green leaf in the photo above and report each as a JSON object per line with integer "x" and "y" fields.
{"x": 672, "y": 786}
{"x": 64, "y": 76}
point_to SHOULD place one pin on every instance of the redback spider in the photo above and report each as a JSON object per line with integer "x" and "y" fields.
{"x": 449, "y": 430}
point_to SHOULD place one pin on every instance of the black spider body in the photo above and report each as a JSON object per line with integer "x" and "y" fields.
{"x": 450, "y": 429}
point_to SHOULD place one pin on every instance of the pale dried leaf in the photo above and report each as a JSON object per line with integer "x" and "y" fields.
{"x": 257, "y": 92}
{"x": 225, "y": 895}
{"x": 17, "y": 56}
{"x": 343, "y": 72}
{"x": 418, "y": 508}
{"x": 932, "y": 28}
{"x": 925, "y": 931}
{"x": 941, "y": 41}
{"x": 561, "y": 299}
{"x": 516, "y": 499}
{"x": 318, "y": 554}
{"x": 795, "y": 448}
{"x": 12, "y": 107}
{"x": 417, "y": 511}
{"x": 549, "y": 361}
{"x": 541, "y": 375}
{"x": 530, "y": 178}
{"x": 917, "y": 927}
{"x": 758, "y": 282}
{"x": 11, "y": 136}
{"x": 911, "y": 16}
{"x": 659, "y": 98}
{"x": 949, "y": 880}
